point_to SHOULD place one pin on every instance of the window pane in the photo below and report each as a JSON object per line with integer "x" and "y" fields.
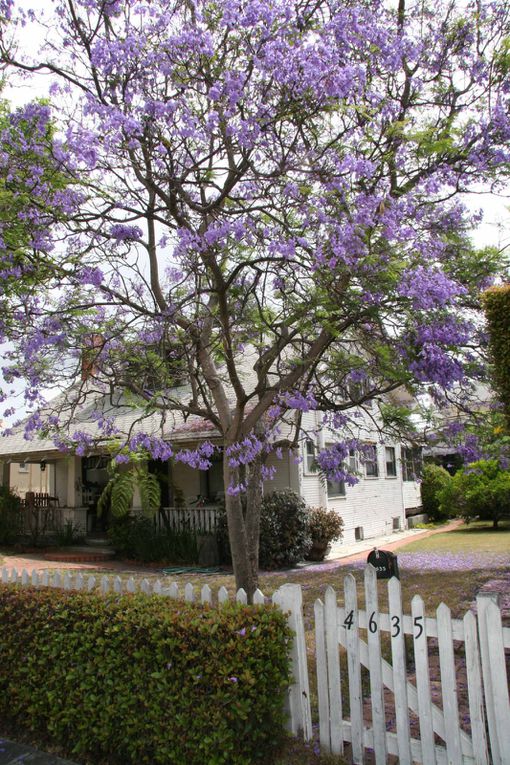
{"x": 391, "y": 462}
{"x": 336, "y": 488}
{"x": 411, "y": 463}
{"x": 309, "y": 456}
{"x": 371, "y": 466}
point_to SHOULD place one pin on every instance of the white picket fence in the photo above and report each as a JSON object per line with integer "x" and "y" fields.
{"x": 473, "y": 646}
{"x": 427, "y": 728}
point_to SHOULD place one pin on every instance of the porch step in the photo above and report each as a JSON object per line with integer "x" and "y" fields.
{"x": 97, "y": 540}
{"x": 86, "y": 554}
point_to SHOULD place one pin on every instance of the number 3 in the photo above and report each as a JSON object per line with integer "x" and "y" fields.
{"x": 396, "y": 625}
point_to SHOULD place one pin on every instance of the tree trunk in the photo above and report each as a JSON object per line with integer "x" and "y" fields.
{"x": 252, "y": 513}
{"x": 245, "y": 573}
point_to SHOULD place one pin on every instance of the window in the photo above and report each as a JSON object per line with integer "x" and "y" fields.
{"x": 353, "y": 461}
{"x": 396, "y": 523}
{"x": 359, "y": 389}
{"x": 336, "y": 488}
{"x": 359, "y": 534}
{"x": 371, "y": 466}
{"x": 310, "y": 466}
{"x": 411, "y": 463}
{"x": 23, "y": 467}
{"x": 391, "y": 462}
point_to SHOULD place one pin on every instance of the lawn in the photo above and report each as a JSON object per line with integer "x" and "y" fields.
{"x": 477, "y": 537}
{"x": 446, "y": 567}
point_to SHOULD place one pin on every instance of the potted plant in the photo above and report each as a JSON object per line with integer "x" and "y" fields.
{"x": 324, "y": 526}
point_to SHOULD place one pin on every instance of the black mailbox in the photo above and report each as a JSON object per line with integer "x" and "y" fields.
{"x": 384, "y": 562}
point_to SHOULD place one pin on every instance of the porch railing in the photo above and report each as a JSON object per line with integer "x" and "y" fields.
{"x": 200, "y": 520}
{"x": 41, "y": 514}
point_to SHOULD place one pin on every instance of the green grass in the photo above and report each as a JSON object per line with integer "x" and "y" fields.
{"x": 298, "y": 753}
{"x": 476, "y": 537}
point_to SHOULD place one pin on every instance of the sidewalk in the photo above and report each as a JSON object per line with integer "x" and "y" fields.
{"x": 356, "y": 550}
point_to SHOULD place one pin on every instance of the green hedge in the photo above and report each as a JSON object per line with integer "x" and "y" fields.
{"x": 496, "y": 303}
{"x": 138, "y": 679}
{"x": 434, "y": 479}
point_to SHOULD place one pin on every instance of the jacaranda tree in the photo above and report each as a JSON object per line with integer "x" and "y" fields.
{"x": 258, "y": 186}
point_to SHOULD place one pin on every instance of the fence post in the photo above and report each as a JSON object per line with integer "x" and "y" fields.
{"x": 289, "y": 598}
{"x": 483, "y": 600}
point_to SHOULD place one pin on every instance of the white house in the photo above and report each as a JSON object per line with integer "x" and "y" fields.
{"x": 377, "y": 504}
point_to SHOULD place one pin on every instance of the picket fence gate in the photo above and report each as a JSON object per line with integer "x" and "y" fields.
{"x": 358, "y": 632}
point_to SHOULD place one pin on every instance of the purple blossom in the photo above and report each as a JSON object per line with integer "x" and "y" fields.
{"x": 428, "y": 288}
{"x": 333, "y": 461}
{"x": 123, "y": 232}
{"x": 92, "y": 276}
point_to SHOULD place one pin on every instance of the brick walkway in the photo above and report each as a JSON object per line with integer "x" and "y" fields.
{"x": 32, "y": 562}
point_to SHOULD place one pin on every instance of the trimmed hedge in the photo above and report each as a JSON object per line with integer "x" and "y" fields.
{"x": 135, "y": 536}
{"x": 434, "y": 479}
{"x": 496, "y": 304}
{"x": 11, "y": 520}
{"x": 138, "y": 679}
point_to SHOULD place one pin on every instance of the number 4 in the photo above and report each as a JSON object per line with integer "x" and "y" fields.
{"x": 349, "y": 619}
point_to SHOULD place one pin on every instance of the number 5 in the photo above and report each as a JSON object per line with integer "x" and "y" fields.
{"x": 418, "y": 622}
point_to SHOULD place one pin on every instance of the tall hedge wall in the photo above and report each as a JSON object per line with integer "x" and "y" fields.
{"x": 496, "y": 303}
{"x": 137, "y": 679}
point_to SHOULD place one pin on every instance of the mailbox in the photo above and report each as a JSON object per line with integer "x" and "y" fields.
{"x": 384, "y": 562}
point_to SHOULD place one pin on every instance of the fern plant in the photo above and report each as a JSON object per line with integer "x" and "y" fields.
{"x": 119, "y": 491}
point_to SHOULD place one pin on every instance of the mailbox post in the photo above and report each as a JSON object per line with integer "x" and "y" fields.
{"x": 384, "y": 562}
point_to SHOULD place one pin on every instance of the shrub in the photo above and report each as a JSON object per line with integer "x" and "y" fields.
{"x": 325, "y": 526}
{"x": 482, "y": 489}
{"x": 496, "y": 303}
{"x": 434, "y": 480}
{"x": 69, "y": 534}
{"x": 136, "y": 537}
{"x": 11, "y": 519}
{"x": 135, "y": 679}
{"x": 284, "y": 534}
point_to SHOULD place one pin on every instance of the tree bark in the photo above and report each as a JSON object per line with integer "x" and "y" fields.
{"x": 252, "y": 513}
{"x": 245, "y": 573}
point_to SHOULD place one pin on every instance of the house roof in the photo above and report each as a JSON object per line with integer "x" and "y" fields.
{"x": 83, "y": 408}
{"x": 125, "y": 416}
